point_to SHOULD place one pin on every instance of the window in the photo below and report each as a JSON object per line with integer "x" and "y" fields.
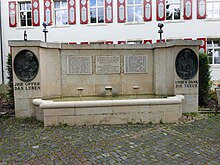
{"x": 61, "y": 12}
{"x": 134, "y": 10}
{"x": 97, "y": 11}
{"x": 213, "y": 47}
{"x": 213, "y": 8}
{"x": 173, "y": 9}
{"x": 98, "y": 42}
{"x": 25, "y": 14}
{"x": 134, "y": 42}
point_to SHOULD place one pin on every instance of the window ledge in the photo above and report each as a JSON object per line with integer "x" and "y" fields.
{"x": 212, "y": 19}
{"x": 174, "y": 21}
{"x": 134, "y": 23}
{"x": 215, "y": 65}
{"x": 59, "y": 26}
{"x": 24, "y": 27}
{"x": 97, "y": 24}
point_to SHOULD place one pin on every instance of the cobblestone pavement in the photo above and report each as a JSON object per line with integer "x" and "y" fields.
{"x": 28, "y": 142}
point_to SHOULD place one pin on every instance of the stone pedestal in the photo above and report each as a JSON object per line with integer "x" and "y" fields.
{"x": 36, "y": 74}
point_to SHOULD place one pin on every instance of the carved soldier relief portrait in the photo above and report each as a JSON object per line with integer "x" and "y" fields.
{"x": 186, "y": 64}
{"x": 26, "y": 65}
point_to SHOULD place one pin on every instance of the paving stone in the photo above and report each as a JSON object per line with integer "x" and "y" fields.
{"x": 25, "y": 141}
{"x": 3, "y": 163}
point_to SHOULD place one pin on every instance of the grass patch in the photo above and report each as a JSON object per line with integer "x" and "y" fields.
{"x": 193, "y": 114}
{"x": 3, "y": 91}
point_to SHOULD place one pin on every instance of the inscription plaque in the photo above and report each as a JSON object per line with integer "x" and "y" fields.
{"x": 186, "y": 64}
{"x": 79, "y": 65}
{"x": 107, "y": 64}
{"x": 136, "y": 64}
{"x": 26, "y": 65}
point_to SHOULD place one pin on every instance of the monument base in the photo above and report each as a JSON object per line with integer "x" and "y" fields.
{"x": 166, "y": 110}
{"x": 49, "y": 70}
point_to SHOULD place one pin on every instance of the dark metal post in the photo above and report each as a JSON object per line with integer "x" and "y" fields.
{"x": 160, "y": 37}
{"x": 45, "y": 36}
{"x": 25, "y": 35}
{"x": 160, "y": 25}
{"x": 45, "y": 30}
{"x": 1, "y": 38}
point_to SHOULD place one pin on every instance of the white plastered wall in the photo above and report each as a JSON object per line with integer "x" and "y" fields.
{"x": 194, "y": 29}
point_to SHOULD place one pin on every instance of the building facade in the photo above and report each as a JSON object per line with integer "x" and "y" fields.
{"x": 114, "y": 22}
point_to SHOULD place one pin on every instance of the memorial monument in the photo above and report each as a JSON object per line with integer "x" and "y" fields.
{"x": 43, "y": 71}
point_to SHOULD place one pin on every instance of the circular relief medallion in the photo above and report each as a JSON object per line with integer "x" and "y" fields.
{"x": 186, "y": 64}
{"x": 26, "y": 65}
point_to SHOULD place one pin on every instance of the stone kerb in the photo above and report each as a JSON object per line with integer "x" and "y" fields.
{"x": 109, "y": 111}
{"x": 105, "y": 103}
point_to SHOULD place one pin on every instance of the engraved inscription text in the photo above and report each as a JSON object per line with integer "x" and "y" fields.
{"x": 107, "y": 64}
{"x": 79, "y": 65}
{"x": 136, "y": 64}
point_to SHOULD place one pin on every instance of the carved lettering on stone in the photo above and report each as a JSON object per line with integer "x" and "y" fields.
{"x": 79, "y": 65}
{"x": 136, "y": 64}
{"x": 107, "y": 64}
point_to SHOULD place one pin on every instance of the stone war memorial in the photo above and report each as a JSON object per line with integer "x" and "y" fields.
{"x": 61, "y": 83}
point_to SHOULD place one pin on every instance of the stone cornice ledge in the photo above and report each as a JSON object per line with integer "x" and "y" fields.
{"x": 55, "y": 45}
{"x": 46, "y": 104}
{"x": 177, "y": 43}
{"x": 34, "y": 43}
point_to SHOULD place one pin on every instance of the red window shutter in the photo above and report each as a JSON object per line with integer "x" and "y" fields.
{"x": 109, "y": 42}
{"x": 108, "y": 11}
{"x": 160, "y": 10}
{"x": 72, "y": 43}
{"x": 187, "y": 9}
{"x": 201, "y": 9}
{"x": 187, "y": 39}
{"x": 121, "y": 11}
{"x": 83, "y": 12}
{"x": 147, "y": 10}
{"x": 163, "y": 40}
{"x": 202, "y": 48}
{"x": 12, "y": 14}
{"x": 121, "y": 42}
{"x": 48, "y": 12}
{"x": 147, "y": 42}
{"x": 36, "y": 12}
{"x": 84, "y": 43}
{"x": 71, "y": 11}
